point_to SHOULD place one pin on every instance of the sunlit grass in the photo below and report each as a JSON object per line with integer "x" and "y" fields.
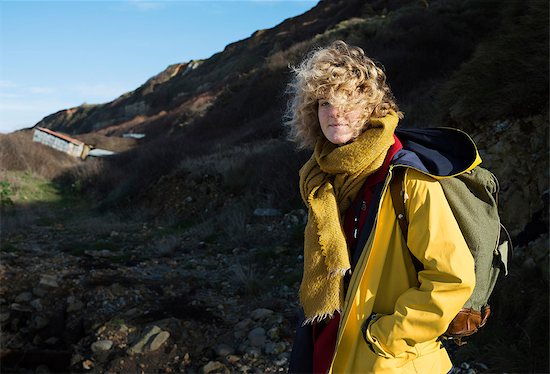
{"x": 27, "y": 188}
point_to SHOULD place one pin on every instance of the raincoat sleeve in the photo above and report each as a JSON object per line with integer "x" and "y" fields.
{"x": 423, "y": 313}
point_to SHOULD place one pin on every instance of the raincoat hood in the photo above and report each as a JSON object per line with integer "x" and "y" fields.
{"x": 440, "y": 152}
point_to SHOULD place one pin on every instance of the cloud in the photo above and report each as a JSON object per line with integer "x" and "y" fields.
{"x": 9, "y": 95}
{"x": 41, "y": 90}
{"x": 17, "y": 113}
{"x": 146, "y": 5}
{"x": 7, "y": 84}
{"x": 31, "y": 106}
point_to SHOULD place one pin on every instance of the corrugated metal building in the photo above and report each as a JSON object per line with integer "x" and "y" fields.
{"x": 61, "y": 142}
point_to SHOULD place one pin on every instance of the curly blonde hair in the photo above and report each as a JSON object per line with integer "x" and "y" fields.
{"x": 342, "y": 75}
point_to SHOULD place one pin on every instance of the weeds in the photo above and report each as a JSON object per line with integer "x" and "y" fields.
{"x": 6, "y": 194}
{"x": 247, "y": 278}
{"x": 167, "y": 245}
{"x": 231, "y": 223}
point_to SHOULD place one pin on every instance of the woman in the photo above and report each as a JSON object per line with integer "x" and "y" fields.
{"x": 366, "y": 307}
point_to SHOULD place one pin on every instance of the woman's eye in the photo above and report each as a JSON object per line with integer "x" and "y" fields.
{"x": 324, "y": 103}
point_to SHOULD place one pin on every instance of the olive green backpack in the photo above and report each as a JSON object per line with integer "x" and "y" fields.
{"x": 473, "y": 198}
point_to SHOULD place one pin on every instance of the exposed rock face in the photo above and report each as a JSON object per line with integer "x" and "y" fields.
{"x": 517, "y": 152}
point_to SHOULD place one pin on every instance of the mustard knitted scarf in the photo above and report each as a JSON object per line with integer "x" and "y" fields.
{"x": 329, "y": 181}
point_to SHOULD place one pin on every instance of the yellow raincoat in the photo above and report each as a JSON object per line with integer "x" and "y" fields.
{"x": 412, "y": 310}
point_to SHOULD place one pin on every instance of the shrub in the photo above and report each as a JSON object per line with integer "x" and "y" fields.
{"x": 508, "y": 74}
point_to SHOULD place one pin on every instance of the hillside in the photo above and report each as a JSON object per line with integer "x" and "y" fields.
{"x": 449, "y": 63}
{"x": 189, "y": 234}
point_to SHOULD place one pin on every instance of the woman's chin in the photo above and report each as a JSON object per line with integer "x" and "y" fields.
{"x": 340, "y": 140}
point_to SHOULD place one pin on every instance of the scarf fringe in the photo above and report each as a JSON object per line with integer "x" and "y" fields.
{"x": 319, "y": 317}
{"x": 338, "y": 272}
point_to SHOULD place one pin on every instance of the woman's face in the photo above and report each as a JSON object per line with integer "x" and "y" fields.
{"x": 338, "y": 126}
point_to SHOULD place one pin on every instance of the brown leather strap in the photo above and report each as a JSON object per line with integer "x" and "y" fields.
{"x": 397, "y": 190}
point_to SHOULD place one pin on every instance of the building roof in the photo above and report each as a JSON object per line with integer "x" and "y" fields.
{"x": 61, "y": 136}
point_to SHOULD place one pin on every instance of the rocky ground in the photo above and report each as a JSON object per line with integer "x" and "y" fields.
{"x": 105, "y": 297}
{"x": 102, "y": 296}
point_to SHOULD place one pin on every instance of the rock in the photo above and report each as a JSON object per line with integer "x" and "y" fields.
{"x": 87, "y": 364}
{"x": 529, "y": 264}
{"x": 214, "y": 366}
{"x": 51, "y": 341}
{"x": 158, "y": 340}
{"x": 281, "y": 361}
{"x": 39, "y": 291}
{"x": 132, "y": 312}
{"x": 233, "y": 359}
{"x": 42, "y": 369}
{"x": 241, "y": 328}
{"x": 76, "y": 358}
{"x": 103, "y": 253}
{"x": 274, "y": 333}
{"x": 39, "y": 322}
{"x": 260, "y": 313}
{"x": 245, "y": 369}
{"x": 279, "y": 250}
{"x": 101, "y": 346}
{"x": 37, "y": 304}
{"x": 267, "y": 212}
{"x": 20, "y": 308}
{"x": 253, "y": 352}
{"x": 4, "y": 317}
{"x": 141, "y": 345}
{"x": 257, "y": 337}
{"x": 482, "y": 366}
{"x": 73, "y": 304}
{"x": 48, "y": 281}
{"x": 538, "y": 251}
{"x": 224, "y": 350}
{"x": 23, "y": 297}
{"x": 275, "y": 348}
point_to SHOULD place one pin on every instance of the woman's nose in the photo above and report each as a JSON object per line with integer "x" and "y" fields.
{"x": 334, "y": 112}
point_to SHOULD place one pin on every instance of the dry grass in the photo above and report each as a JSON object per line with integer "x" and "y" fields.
{"x": 268, "y": 171}
{"x": 19, "y": 153}
{"x": 111, "y": 143}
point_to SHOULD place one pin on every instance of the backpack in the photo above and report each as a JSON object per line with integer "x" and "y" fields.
{"x": 473, "y": 198}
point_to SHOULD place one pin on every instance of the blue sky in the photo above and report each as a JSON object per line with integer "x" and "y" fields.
{"x": 59, "y": 54}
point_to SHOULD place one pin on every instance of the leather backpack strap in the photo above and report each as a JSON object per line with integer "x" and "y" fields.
{"x": 397, "y": 190}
